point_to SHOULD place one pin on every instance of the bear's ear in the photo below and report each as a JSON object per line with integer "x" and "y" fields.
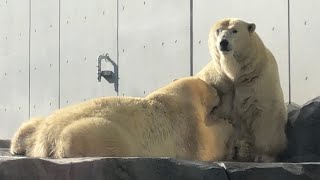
{"x": 251, "y": 27}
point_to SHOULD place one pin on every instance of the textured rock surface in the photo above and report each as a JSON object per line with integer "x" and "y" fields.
{"x": 108, "y": 168}
{"x": 4, "y": 143}
{"x": 273, "y": 171}
{"x": 4, "y": 147}
{"x": 149, "y": 168}
{"x": 303, "y": 132}
{"x": 143, "y": 168}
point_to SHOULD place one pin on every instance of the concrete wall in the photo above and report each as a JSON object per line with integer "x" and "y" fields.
{"x": 48, "y": 49}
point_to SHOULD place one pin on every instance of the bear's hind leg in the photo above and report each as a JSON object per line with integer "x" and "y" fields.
{"x": 91, "y": 137}
{"x": 21, "y": 141}
{"x": 270, "y": 140}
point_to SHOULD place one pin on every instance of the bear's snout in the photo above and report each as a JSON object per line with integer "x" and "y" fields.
{"x": 224, "y": 45}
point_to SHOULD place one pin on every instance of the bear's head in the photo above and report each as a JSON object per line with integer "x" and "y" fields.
{"x": 189, "y": 90}
{"x": 234, "y": 44}
{"x": 231, "y": 36}
{"x": 203, "y": 96}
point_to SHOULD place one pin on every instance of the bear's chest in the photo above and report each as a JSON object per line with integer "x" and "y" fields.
{"x": 245, "y": 104}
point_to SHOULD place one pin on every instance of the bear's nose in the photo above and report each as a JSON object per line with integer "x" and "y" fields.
{"x": 224, "y": 45}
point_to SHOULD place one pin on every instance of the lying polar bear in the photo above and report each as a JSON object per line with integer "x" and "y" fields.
{"x": 245, "y": 73}
{"x": 169, "y": 122}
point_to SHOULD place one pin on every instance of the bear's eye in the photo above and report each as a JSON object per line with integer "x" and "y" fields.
{"x": 234, "y": 31}
{"x": 218, "y": 31}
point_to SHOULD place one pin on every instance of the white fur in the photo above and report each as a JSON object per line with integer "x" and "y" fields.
{"x": 247, "y": 80}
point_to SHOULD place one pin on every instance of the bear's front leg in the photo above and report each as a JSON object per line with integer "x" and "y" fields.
{"x": 269, "y": 137}
{"x": 224, "y": 108}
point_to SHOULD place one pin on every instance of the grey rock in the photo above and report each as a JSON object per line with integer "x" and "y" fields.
{"x": 273, "y": 171}
{"x": 4, "y": 152}
{"x": 293, "y": 112}
{"x": 303, "y": 133}
{"x": 108, "y": 168}
{"x": 4, "y": 143}
{"x": 151, "y": 168}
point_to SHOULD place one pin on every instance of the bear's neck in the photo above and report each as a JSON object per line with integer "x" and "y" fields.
{"x": 242, "y": 68}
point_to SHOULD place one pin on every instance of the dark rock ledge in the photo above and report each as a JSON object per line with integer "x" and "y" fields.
{"x": 151, "y": 168}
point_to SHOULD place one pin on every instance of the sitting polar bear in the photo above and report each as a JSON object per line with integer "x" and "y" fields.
{"x": 169, "y": 122}
{"x": 245, "y": 74}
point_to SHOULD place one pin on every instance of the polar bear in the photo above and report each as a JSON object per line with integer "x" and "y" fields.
{"x": 245, "y": 74}
{"x": 172, "y": 122}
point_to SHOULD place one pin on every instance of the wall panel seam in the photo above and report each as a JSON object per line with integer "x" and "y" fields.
{"x": 29, "y": 60}
{"x": 59, "y": 56}
{"x": 117, "y": 49}
{"x": 289, "y": 52}
{"x": 191, "y": 37}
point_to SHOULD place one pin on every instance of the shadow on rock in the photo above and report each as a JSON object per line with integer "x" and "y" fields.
{"x": 303, "y": 132}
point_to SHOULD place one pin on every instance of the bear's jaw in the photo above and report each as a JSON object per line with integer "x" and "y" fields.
{"x": 234, "y": 66}
{"x": 226, "y": 53}
{"x": 230, "y": 66}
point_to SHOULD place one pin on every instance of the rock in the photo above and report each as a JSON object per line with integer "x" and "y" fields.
{"x": 293, "y": 111}
{"x": 4, "y": 143}
{"x": 151, "y": 168}
{"x": 4, "y": 152}
{"x": 108, "y": 168}
{"x": 273, "y": 171}
{"x": 4, "y": 147}
{"x": 303, "y": 132}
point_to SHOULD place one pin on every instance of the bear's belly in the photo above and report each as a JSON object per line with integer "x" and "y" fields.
{"x": 245, "y": 104}
{"x": 245, "y": 111}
